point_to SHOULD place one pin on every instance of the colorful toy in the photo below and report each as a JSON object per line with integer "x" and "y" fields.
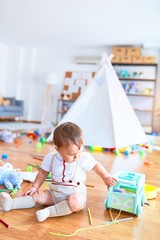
{"x": 66, "y": 96}
{"x": 4, "y": 156}
{"x": 96, "y": 148}
{"x": 124, "y": 73}
{"x": 38, "y": 145}
{"x": 151, "y": 191}
{"x": 12, "y": 178}
{"x": 43, "y": 140}
{"x": 32, "y": 135}
{"x": 128, "y": 193}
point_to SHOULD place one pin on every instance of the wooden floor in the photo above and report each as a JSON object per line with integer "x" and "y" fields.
{"x": 25, "y": 226}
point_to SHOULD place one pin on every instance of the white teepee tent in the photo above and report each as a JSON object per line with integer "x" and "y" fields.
{"x": 104, "y": 112}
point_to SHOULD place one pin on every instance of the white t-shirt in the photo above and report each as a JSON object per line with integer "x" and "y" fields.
{"x": 70, "y": 173}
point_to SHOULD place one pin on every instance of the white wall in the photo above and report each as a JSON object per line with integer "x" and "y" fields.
{"x": 3, "y": 67}
{"x": 22, "y": 74}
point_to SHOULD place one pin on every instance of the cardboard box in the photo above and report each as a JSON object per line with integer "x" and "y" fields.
{"x": 115, "y": 59}
{"x": 126, "y": 59}
{"x": 137, "y": 59}
{"x": 133, "y": 51}
{"x": 119, "y": 51}
{"x": 149, "y": 59}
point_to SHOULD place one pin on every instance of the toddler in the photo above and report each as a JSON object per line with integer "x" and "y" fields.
{"x": 68, "y": 167}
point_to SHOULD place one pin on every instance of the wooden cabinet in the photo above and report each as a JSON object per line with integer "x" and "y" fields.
{"x": 139, "y": 83}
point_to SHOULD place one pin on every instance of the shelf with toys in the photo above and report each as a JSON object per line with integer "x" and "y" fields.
{"x": 137, "y": 75}
{"x": 137, "y": 79}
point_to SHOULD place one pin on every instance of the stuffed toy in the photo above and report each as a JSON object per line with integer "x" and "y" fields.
{"x": 66, "y": 96}
{"x": 12, "y": 178}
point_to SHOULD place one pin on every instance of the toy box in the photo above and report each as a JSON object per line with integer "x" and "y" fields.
{"x": 128, "y": 193}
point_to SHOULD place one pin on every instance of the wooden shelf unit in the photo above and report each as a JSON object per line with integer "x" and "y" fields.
{"x": 147, "y": 99}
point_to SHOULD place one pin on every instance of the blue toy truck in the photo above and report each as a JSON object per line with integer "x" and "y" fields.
{"x": 128, "y": 193}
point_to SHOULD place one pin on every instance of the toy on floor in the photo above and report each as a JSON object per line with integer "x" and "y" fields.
{"x": 7, "y": 136}
{"x": 151, "y": 191}
{"x": 128, "y": 193}
{"x": 13, "y": 179}
{"x": 4, "y": 223}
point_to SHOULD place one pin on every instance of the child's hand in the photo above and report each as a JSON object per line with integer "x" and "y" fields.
{"x": 110, "y": 181}
{"x": 30, "y": 191}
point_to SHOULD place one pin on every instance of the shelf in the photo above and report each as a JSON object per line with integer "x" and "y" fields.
{"x": 135, "y": 64}
{"x": 138, "y": 79}
{"x": 140, "y": 89}
{"x": 61, "y": 112}
{"x": 140, "y": 95}
{"x": 143, "y": 110}
{"x": 67, "y": 100}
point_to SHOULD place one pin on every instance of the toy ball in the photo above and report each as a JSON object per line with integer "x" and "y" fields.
{"x": 98, "y": 148}
{"x": 38, "y": 145}
{"x": 43, "y": 140}
{"x": 29, "y": 168}
{"x": 126, "y": 152}
{"x": 121, "y": 150}
{"x": 36, "y": 132}
{"x": 116, "y": 152}
{"x": 91, "y": 148}
{"x": 141, "y": 152}
{"x": 133, "y": 148}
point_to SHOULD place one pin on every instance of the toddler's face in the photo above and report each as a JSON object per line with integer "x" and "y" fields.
{"x": 71, "y": 153}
